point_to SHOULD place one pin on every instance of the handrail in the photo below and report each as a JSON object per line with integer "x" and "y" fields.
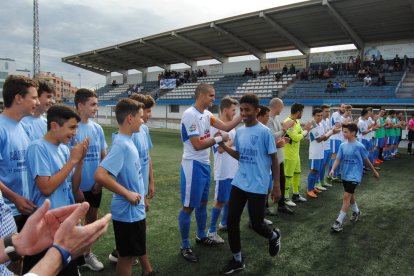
{"x": 401, "y": 81}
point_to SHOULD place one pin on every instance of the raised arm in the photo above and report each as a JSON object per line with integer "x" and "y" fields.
{"x": 226, "y": 126}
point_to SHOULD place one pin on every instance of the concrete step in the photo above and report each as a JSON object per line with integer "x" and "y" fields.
{"x": 404, "y": 95}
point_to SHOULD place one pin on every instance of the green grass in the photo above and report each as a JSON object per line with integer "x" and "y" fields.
{"x": 381, "y": 243}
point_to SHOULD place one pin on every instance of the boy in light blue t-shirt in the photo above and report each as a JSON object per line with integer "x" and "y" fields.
{"x": 86, "y": 103}
{"x": 351, "y": 156}
{"x": 36, "y": 125}
{"x": 256, "y": 152}
{"x": 54, "y": 171}
{"x": 127, "y": 206}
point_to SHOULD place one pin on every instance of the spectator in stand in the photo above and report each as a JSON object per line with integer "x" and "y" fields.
{"x": 304, "y": 75}
{"x": 406, "y": 63}
{"x": 204, "y": 73}
{"x": 397, "y": 63}
{"x": 267, "y": 72}
{"x": 114, "y": 83}
{"x": 381, "y": 79}
{"x": 367, "y": 81}
{"x": 380, "y": 61}
{"x": 246, "y": 72}
{"x": 262, "y": 72}
{"x": 351, "y": 60}
{"x": 373, "y": 61}
{"x": 292, "y": 69}
{"x": 326, "y": 74}
{"x": 285, "y": 70}
{"x": 278, "y": 76}
{"x": 329, "y": 87}
{"x": 336, "y": 86}
{"x": 361, "y": 74}
{"x": 358, "y": 62}
{"x": 343, "y": 85}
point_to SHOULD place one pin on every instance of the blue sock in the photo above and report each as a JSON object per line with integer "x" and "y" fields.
{"x": 201, "y": 218}
{"x": 311, "y": 186}
{"x": 184, "y": 220}
{"x": 322, "y": 175}
{"x": 314, "y": 179}
{"x": 225, "y": 214}
{"x": 371, "y": 157}
{"x": 238, "y": 257}
{"x": 215, "y": 213}
{"x": 376, "y": 154}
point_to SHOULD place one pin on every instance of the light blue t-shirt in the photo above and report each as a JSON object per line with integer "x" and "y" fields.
{"x": 92, "y": 158}
{"x": 352, "y": 156}
{"x": 35, "y": 127}
{"x": 13, "y": 168}
{"x": 46, "y": 159}
{"x": 142, "y": 141}
{"x": 255, "y": 145}
{"x": 123, "y": 163}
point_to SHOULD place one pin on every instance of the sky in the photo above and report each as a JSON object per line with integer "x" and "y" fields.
{"x": 69, "y": 27}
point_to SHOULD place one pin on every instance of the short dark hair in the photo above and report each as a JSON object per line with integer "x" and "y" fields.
{"x": 296, "y": 107}
{"x": 316, "y": 111}
{"x": 352, "y": 127}
{"x": 226, "y": 102}
{"x": 263, "y": 110}
{"x": 391, "y": 112}
{"x": 125, "y": 107}
{"x": 16, "y": 85}
{"x": 348, "y": 106}
{"x": 60, "y": 114}
{"x": 202, "y": 88}
{"x": 369, "y": 108}
{"x": 251, "y": 99}
{"x": 364, "y": 112}
{"x": 45, "y": 87}
{"x": 147, "y": 100}
{"x": 82, "y": 95}
{"x": 325, "y": 106}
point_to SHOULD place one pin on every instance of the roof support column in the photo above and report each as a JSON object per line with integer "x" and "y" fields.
{"x": 247, "y": 46}
{"x": 201, "y": 47}
{"x": 359, "y": 43}
{"x": 144, "y": 73}
{"x": 124, "y": 75}
{"x": 293, "y": 39}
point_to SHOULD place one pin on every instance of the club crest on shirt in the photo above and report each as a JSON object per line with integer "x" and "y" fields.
{"x": 253, "y": 139}
{"x": 192, "y": 128}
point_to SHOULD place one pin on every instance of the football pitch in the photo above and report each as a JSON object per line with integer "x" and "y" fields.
{"x": 381, "y": 243}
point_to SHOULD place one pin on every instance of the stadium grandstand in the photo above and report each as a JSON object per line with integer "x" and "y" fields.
{"x": 302, "y": 26}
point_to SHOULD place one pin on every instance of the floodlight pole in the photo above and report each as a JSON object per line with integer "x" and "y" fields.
{"x": 36, "y": 49}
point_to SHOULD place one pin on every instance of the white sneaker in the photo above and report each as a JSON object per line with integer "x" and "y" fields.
{"x": 267, "y": 222}
{"x": 215, "y": 237}
{"x": 222, "y": 227}
{"x": 91, "y": 262}
{"x": 321, "y": 188}
{"x": 289, "y": 202}
{"x": 298, "y": 198}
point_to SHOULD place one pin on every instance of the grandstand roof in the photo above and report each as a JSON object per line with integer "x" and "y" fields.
{"x": 305, "y": 25}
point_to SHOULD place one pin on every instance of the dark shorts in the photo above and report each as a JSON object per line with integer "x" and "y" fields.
{"x": 130, "y": 238}
{"x": 410, "y": 135}
{"x": 349, "y": 186}
{"x": 94, "y": 200}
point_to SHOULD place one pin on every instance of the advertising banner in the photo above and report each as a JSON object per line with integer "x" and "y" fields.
{"x": 334, "y": 56}
{"x": 276, "y": 64}
{"x": 167, "y": 83}
{"x": 388, "y": 52}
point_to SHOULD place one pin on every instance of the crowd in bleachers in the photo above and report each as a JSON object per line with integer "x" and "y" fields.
{"x": 188, "y": 76}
